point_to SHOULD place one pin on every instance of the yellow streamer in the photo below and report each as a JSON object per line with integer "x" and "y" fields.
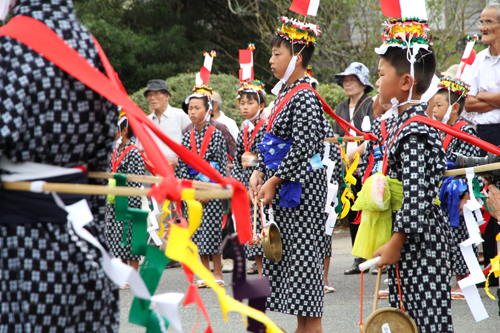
{"x": 350, "y": 181}
{"x": 166, "y": 211}
{"x": 182, "y": 249}
{"x": 495, "y": 268}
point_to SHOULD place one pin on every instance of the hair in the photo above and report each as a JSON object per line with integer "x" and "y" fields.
{"x": 253, "y": 96}
{"x": 424, "y": 66}
{"x": 497, "y": 7}
{"x": 454, "y": 97}
{"x": 307, "y": 52}
{"x": 206, "y": 101}
{"x": 126, "y": 124}
{"x": 217, "y": 100}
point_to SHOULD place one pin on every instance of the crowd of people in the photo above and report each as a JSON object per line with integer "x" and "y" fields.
{"x": 278, "y": 155}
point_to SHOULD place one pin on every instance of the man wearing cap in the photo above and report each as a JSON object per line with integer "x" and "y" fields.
{"x": 358, "y": 110}
{"x": 171, "y": 120}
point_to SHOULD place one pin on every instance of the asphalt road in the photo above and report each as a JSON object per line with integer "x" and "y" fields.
{"x": 341, "y": 307}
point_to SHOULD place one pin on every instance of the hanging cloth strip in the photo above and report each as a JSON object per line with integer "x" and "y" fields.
{"x": 203, "y": 149}
{"x": 377, "y": 154}
{"x": 54, "y": 49}
{"x": 248, "y": 143}
{"x": 447, "y": 139}
{"x": 275, "y": 148}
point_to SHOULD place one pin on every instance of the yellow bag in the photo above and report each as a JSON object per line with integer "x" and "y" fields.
{"x": 377, "y": 199}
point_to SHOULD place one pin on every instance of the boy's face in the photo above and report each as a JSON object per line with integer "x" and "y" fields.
{"x": 196, "y": 110}
{"x": 280, "y": 58}
{"x": 440, "y": 106}
{"x": 248, "y": 107}
{"x": 388, "y": 83}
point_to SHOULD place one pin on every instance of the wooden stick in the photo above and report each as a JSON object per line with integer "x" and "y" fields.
{"x": 154, "y": 180}
{"x": 346, "y": 138}
{"x": 477, "y": 169}
{"x": 377, "y": 287}
{"x": 255, "y": 216}
{"x": 104, "y": 190}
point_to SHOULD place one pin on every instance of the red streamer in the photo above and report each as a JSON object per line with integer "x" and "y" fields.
{"x": 54, "y": 49}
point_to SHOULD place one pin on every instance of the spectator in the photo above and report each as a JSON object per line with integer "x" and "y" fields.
{"x": 171, "y": 120}
{"x": 355, "y": 109}
{"x": 484, "y": 98}
{"x": 222, "y": 118}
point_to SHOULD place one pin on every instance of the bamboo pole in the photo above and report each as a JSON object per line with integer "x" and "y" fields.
{"x": 346, "y": 138}
{"x": 154, "y": 180}
{"x": 104, "y": 190}
{"x": 477, "y": 169}
{"x": 377, "y": 287}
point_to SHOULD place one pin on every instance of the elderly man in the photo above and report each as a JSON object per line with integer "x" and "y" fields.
{"x": 484, "y": 98}
{"x": 218, "y": 115}
{"x": 171, "y": 120}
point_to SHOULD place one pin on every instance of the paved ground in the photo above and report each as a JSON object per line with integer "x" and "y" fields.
{"x": 341, "y": 307}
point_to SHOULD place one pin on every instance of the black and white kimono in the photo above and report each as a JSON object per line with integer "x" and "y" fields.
{"x": 208, "y": 237}
{"x": 416, "y": 157}
{"x": 49, "y": 281}
{"x": 376, "y": 129}
{"x": 243, "y": 175}
{"x": 133, "y": 164}
{"x": 460, "y": 233}
{"x": 297, "y": 281}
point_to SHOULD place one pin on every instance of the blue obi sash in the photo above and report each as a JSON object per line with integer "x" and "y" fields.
{"x": 275, "y": 149}
{"x": 378, "y": 158}
{"x": 201, "y": 176}
{"x": 449, "y": 195}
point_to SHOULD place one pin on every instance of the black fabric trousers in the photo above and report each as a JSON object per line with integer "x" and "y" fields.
{"x": 491, "y": 134}
{"x": 351, "y": 216}
{"x": 228, "y": 251}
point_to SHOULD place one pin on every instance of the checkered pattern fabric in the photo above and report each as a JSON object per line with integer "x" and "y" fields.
{"x": 297, "y": 283}
{"x": 417, "y": 158}
{"x": 132, "y": 163}
{"x": 208, "y": 237}
{"x": 243, "y": 175}
{"x": 370, "y": 145}
{"x": 47, "y": 283}
{"x": 460, "y": 233}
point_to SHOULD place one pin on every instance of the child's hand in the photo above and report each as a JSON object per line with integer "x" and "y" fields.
{"x": 389, "y": 253}
{"x": 255, "y": 183}
{"x": 268, "y": 189}
{"x": 203, "y": 201}
{"x": 463, "y": 201}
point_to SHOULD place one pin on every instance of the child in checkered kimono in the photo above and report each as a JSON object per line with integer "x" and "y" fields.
{"x": 127, "y": 159}
{"x": 449, "y": 103}
{"x": 420, "y": 249}
{"x": 251, "y": 102}
{"x": 51, "y": 280}
{"x": 294, "y": 183}
{"x": 206, "y": 141}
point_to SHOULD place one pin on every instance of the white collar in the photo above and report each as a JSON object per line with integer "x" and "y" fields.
{"x": 164, "y": 114}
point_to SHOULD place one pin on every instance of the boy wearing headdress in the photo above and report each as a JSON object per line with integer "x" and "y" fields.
{"x": 296, "y": 190}
{"x": 449, "y": 104}
{"x": 207, "y": 142}
{"x": 419, "y": 252}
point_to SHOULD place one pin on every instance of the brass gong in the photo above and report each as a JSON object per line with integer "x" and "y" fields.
{"x": 271, "y": 242}
{"x": 390, "y": 320}
{"x": 248, "y": 159}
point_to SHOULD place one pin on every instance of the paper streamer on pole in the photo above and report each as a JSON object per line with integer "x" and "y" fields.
{"x": 468, "y": 58}
{"x": 246, "y": 64}
{"x": 305, "y": 7}
{"x": 79, "y": 215}
{"x": 404, "y": 8}
{"x": 204, "y": 74}
{"x": 468, "y": 284}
